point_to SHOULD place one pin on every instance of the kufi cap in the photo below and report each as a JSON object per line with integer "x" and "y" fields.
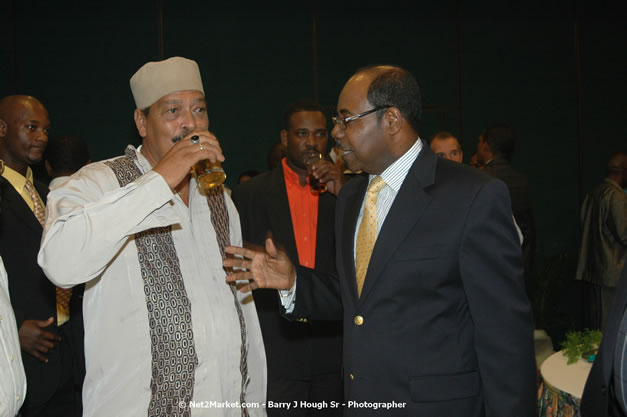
{"x": 158, "y": 79}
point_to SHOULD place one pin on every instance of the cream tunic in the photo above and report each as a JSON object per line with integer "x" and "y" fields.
{"x": 88, "y": 238}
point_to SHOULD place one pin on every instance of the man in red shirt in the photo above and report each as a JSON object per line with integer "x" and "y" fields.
{"x": 304, "y": 358}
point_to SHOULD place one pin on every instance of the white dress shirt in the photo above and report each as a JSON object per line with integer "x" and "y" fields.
{"x": 89, "y": 238}
{"x": 12, "y": 377}
{"x": 394, "y": 175}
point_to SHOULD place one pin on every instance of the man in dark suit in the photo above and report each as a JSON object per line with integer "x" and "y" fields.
{"x": 495, "y": 151}
{"x": 304, "y": 357}
{"x": 440, "y": 325}
{"x": 604, "y": 394}
{"x": 45, "y": 342}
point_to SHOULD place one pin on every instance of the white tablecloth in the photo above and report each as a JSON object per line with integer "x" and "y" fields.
{"x": 568, "y": 378}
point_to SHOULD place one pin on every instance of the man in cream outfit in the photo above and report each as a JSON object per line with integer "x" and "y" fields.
{"x": 164, "y": 334}
{"x": 12, "y": 377}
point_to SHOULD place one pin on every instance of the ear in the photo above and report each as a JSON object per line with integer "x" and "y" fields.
{"x": 393, "y": 120}
{"x": 284, "y": 138}
{"x": 3, "y": 128}
{"x": 140, "y": 122}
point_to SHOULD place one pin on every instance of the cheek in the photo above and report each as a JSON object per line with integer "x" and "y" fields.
{"x": 321, "y": 145}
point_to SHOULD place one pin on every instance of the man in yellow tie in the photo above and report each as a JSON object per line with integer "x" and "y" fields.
{"x": 44, "y": 329}
{"x": 438, "y": 324}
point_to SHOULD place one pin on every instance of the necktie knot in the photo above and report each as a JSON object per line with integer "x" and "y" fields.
{"x": 375, "y": 186}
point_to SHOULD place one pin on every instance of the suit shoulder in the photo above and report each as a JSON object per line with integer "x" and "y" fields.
{"x": 253, "y": 188}
{"x": 465, "y": 182}
{"x": 460, "y": 173}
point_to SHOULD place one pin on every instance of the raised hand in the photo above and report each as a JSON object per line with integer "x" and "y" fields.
{"x": 271, "y": 268}
{"x": 176, "y": 164}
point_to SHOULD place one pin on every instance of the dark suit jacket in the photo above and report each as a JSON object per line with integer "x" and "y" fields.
{"x": 33, "y": 296}
{"x": 599, "y": 398}
{"x": 521, "y": 208}
{"x": 294, "y": 350}
{"x": 443, "y": 323}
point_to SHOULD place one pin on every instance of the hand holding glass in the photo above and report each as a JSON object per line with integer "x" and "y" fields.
{"x": 208, "y": 174}
{"x": 317, "y": 187}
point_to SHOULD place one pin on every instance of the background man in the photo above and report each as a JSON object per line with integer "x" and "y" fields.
{"x": 603, "y": 242}
{"x": 64, "y": 156}
{"x": 304, "y": 358}
{"x": 474, "y": 161}
{"x": 445, "y": 145}
{"x": 162, "y": 327}
{"x": 42, "y": 313}
{"x": 495, "y": 150}
{"x": 430, "y": 281}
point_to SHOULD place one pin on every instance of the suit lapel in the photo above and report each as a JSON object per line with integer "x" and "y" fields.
{"x": 326, "y": 206}
{"x": 405, "y": 212}
{"x": 42, "y": 189}
{"x": 19, "y": 207}
{"x": 280, "y": 216}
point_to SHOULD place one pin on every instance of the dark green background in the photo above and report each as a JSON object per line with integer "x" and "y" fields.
{"x": 555, "y": 72}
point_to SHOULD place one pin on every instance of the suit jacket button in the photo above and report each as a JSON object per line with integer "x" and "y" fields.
{"x": 358, "y": 320}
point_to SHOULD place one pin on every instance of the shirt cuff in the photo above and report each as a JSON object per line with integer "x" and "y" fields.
{"x": 288, "y": 299}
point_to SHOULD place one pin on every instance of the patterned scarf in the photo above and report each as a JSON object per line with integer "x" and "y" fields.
{"x": 174, "y": 358}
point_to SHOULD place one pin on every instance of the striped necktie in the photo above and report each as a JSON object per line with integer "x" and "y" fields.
{"x": 367, "y": 234}
{"x": 63, "y": 294}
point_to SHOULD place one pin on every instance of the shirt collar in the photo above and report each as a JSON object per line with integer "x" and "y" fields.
{"x": 142, "y": 161}
{"x": 16, "y": 179}
{"x": 290, "y": 175}
{"x": 395, "y": 174}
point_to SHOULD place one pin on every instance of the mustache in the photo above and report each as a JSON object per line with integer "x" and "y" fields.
{"x": 181, "y": 136}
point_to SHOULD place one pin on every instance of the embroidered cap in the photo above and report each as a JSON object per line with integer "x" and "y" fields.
{"x": 158, "y": 79}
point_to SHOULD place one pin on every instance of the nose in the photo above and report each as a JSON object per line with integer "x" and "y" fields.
{"x": 311, "y": 139}
{"x": 189, "y": 122}
{"x": 337, "y": 133}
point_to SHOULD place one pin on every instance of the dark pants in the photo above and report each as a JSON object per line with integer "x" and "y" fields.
{"x": 598, "y": 301}
{"x": 322, "y": 395}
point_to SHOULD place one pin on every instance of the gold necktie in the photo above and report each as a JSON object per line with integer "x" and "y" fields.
{"x": 367, "y": 234}
{"x": 63, "y": 294}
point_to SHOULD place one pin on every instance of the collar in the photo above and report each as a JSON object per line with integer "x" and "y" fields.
{"x": 142, "y": 161}
{"x": 395, "y": 174}
{"x": 16, "y": 179}
{"x": 291, "y": 175}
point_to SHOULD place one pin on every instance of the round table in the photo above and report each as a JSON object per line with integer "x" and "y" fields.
{"x": 562, "y": 386}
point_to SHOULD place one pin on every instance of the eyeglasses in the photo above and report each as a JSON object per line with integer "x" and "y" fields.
{"x": 342, "y": 122}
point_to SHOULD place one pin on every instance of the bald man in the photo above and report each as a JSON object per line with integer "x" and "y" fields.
{"x": 44, "y": 329}
{"x": 446, "y": 146}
